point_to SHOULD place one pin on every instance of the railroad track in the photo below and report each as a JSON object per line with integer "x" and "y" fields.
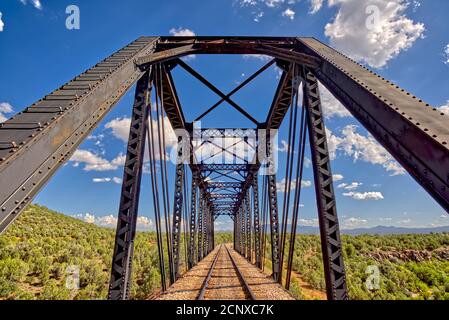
{"x": 225, "y": 280}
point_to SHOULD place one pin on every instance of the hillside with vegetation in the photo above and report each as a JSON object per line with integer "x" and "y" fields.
{"x": 40, "y": 250}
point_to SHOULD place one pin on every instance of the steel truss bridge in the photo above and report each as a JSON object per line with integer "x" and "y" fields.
{"x": 40, "y": 139}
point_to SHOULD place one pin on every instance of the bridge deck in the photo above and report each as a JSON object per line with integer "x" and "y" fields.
{"x": 225, "y": 282}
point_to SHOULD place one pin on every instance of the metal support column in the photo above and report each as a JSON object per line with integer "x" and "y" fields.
{"x": 327, "y": 209}
{"x": 248, "y": 228}
{"x": 129, "y": 199}
{"x": 177, "y": 215}
{"x": 192, "y": 244}
{"x": 200, "y": 227}
{"x": 274, "y": 213}
{"x": 257, "y": 248}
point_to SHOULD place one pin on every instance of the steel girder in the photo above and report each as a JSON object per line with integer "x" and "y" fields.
{"x": 129, "y": 199}
{"x": 415, "y": 134}
{"x": 37, "y": 141}
{"x": 248, "y": 226}
{"x": 334, "y": 270}
{"x": 192, "y": 235}
{"x": 177, "y": 215}
{"x": 257, "y": 247}
{"x": 200, "y": 227}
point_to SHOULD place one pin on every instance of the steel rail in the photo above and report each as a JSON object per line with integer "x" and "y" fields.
{"x": 209, "y": 275}
{"x": 205, "y": 285}
{"x": 240, "y": 274}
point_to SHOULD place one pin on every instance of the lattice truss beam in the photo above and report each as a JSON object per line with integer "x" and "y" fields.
{"x": 41, "y": 138}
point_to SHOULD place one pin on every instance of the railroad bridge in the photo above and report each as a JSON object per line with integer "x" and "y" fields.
{"x": 40, "y": 139}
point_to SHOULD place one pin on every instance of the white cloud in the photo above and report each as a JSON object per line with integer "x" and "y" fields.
{"x": 446, "y": 54}
{"x": 363, "y": 196}
{"x": 364, "y": 148}
{"x": 337, "y": 177}
{"x": 94, "y": 162}
{"x": 273, "y": 3}
{"x": 308, "y": 222}
{"x": 406, "y": 221}
{"x": 354, "y": 31}
{"x": 280, "y": 185}
{"x": 261, "y": 57}
{"x": 350, "y": 187}
{"x": 354, "y": 222}
{"x": 283, "y": 148}
{"x": 116, "y": 180}
{"x": 289, "y": 13}
{"x": 5, "y": 107}
{"x": 331, "y": 106}
{"x": 180, "y": 32}
{"x": 2, "y": 24}
{"x": 445, "y": 108}
{"x": 258, "y": 16}
{"x": 120, "y": 130}
{"x": 110, "y": 221}
{"x": 315, "y": 6}
{"x": 36, "y": 3}
{"x": 100, "y": 180}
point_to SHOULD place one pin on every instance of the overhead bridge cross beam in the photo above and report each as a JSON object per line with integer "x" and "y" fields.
{"x": 37, "y": 141}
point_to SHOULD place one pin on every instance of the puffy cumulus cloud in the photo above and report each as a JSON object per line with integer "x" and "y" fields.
{"x": 5, "y": 107}
{"x": 362, "y": 148}
{"x": 289, "y": 13}
{"x": 364, "y": 196}
{"x": 350, "y": 186}
{"x": 2, "y": 24}
{"x": 308, "y": 222}
{"x": 337, "y": 177}
{"x": 280, "y": 185}
{"x": 110, "y": 221}
{"x": 120, "y": 129}
{"x": 181, "y": 32}
{"x": 372, "y": 31}
{"x": 331, "y": 106}
{"x": 94, "y": 162}
{"x": 354, "y": 222}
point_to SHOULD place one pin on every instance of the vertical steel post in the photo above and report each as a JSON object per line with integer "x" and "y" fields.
{"x": 129, "y": 199}
{"x": 243, "y": 232}
{"x": 274, "y": 212}
{"x": 200, "y": 227}
{"x": 177, "y": 212}
{"x": 327, "y": 209}
{"x": 192, "y": 251}
{"x": 257, "y": 247}
{"x": 248, "y": 227}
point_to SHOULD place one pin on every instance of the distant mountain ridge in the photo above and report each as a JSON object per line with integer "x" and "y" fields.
{"x": 381, "y": 230}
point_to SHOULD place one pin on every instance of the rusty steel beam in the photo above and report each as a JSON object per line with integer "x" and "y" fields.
{"x": 415, "y": 134}
{"x": 37, "y": 141}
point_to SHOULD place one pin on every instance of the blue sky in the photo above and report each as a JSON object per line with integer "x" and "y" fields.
{"x": 408, "y": 44}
